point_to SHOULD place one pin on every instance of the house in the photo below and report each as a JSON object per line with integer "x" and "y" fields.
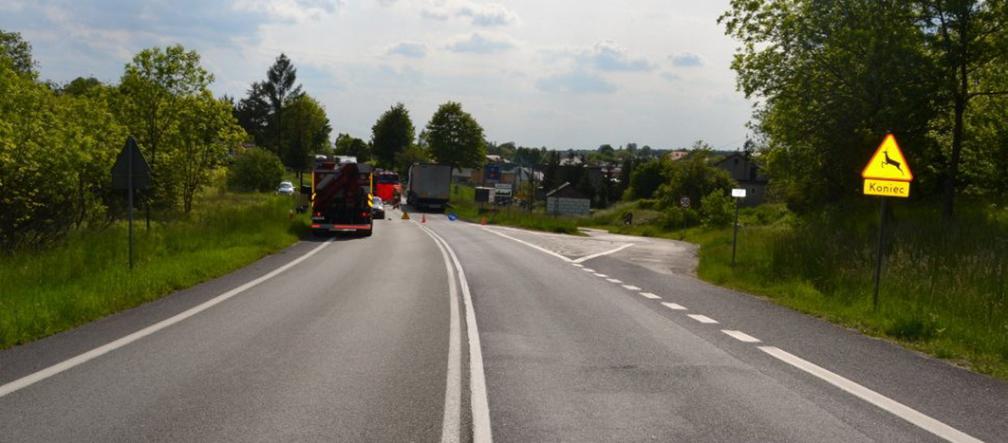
{"x": 678, "y": 154}
{"x": 565, "y": 200}
{"x": 747, "y": 172}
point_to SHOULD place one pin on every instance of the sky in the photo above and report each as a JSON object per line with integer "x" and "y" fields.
{"x": 566, "y": 74}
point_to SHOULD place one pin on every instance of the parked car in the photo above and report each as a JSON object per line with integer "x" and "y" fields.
{"x": 285, "y": 188}
{"x": 377, "y": 208}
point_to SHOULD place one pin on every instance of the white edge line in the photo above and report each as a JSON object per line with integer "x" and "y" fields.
{"x": 611, "y": 251}
{"x": 650, "y": 295}
{"x": 451, "y": 422}
{"x": 57, "y": 368}
{"x": 702, "y": 319}
{"x": 477, "y": 379}
{"x": 892, "y": 406}
{"x": 540, "y": 248}
{"x": 674, "y": 306}
{"x": 741, "y": 336}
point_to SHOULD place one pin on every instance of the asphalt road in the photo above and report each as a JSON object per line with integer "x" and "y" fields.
{"x": 601, "y": 338}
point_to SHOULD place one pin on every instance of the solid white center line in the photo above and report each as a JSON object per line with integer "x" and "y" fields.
{"x": 613, "y": 280}
{"x": 674, "y": 306}
{"x": 702, "y": 318}
{"x": 741, "y": 336}
{"x": 898, "y": 409}
{"x": 601, "y": 275}
{"x": 650, "y": 295}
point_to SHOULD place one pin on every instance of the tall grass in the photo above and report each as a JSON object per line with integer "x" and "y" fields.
{"x": 464, "y": 206}
{"x": 86, "y": 277}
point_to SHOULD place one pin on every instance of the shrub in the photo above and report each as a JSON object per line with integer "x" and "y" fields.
{"x": 255, "y": 170}
{"x": 645, "y": 180}
{"x": 717, "y": 209}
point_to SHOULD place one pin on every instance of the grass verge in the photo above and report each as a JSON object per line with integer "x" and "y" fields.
{"x": 86, "y": 278}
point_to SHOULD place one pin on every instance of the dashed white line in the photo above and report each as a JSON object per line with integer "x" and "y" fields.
{"x": 611, "y": 251}
{"x": 588, "y": 270}
{"x": 631, "y": 288}
{"x": 577, "y": 265}
{"x": 892, "y": 406}
{"x": 613, "y": 280}
{"x": 650, "y": 295}
{"x": 741, "y": 336}
{"x": 674, "y": 306}
{"x": 702, "y": 319}
{"x": 601, "y": 275}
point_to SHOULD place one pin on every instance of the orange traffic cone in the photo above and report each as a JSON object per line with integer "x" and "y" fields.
{"x": 405, "y": 215}
{"x": 423, "y": 218}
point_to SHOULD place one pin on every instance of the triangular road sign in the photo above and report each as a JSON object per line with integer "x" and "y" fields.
{"x": 888, "y": 163}
{"x": 121, "y": 169}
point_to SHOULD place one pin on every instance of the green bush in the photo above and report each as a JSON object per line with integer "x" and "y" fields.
{"x": 693, "y": 177}
{"x": 717, "y": 209}
{"x": 255, "y": 170}
{"x": 676, "y": 218}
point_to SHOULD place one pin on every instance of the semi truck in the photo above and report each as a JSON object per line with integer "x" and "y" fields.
{"x": 429, "y": 186}
{"x": 341, "y": 198}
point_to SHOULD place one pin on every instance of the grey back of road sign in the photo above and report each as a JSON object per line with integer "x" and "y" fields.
{"x": 121, "y": 169}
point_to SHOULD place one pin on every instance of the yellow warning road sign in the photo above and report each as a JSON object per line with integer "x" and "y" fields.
{"x": 888, "y": 163}
{"x": 886, "y": 188}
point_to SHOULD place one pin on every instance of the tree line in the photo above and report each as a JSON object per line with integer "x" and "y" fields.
{"x": 831, "y": 78}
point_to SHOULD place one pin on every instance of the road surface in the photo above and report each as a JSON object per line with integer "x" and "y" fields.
{"x": 447, "y": 331}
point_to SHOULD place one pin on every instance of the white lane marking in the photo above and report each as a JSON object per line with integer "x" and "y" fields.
{"x": 741, "y": 336}
{"x": 451, "y": 423}
{"x": 702, "y": 319}
{"x": 578, "y": 265}
{"x": 892, "y": 406}
{"x": 674, "y": 306}
{"x": 588, "y": 270}
{"x": 43, "y": 374}
{"x": 601, "y": 275}
{"x": 611, "y": 251}
{"x": 650, "y": 295}
{"x": 631, "y": 288}
{"x": 477, "y": 378}
{"x": 613, "y": 280}
{"x": 561, "y": 257}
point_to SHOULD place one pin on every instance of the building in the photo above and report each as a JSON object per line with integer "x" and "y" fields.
{"x": 678, "y": 154}
{"x": 565, "y": 200}
{"x": 748, "y": 174}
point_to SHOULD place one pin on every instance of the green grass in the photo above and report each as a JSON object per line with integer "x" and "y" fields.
{"x": 944, "y": 286}
{"x": 86, "y": 277}
{"x": 463, "y": 205}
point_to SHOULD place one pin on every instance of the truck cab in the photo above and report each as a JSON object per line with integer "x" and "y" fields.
{"x": 341, "y": 198}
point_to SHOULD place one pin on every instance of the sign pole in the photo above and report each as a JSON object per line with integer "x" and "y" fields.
{"x": 735, "y": 235}
{"x": 881, "y": 253}
{"x": 129, "y": 181}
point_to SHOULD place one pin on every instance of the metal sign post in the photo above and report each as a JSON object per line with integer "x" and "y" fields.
{"x": 737, "y": 194}
{"x": 887, "y": 174}
{"x": 130, "y": 173}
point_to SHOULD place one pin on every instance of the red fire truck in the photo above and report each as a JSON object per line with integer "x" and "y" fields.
{"x": 387, "y": 187}
{"x": 341, "y": 198}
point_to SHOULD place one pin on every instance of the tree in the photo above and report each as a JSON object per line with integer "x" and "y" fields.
{"x": 254, "y": 113}
{"x": 645, "y": 180}
{"x": 455, "y": 138}
{"x": 353, "y": 146}
{"x": 256, "y": 169}
{"x": 82, "y": 86}
{"x": 154, "y": 82}
{"x": 693, "y": 177}
{"x": 17, "y": 52}
{"x": 279, "y": 90}
{"x": 411, "y": 155}
{"x": 830, "y": 79}
{"x": 306, "y": 132}
{"x": 206, "y": 132}
{"x": 964, "y": 36}
{"x": 392, "y": 134}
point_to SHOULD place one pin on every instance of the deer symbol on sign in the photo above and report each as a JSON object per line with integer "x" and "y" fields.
{"x": 889, "y": 161}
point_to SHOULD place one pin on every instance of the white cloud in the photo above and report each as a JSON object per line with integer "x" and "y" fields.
{"x": 479, "y": 43}
{"x": 608, "y": 56}
{"x": 577, "y": 82}
{"x": 408, "y": 49}
{"x": 686, "y": 60}
{"x": 478, "y": 14}
{"x": 296, "y": 10}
